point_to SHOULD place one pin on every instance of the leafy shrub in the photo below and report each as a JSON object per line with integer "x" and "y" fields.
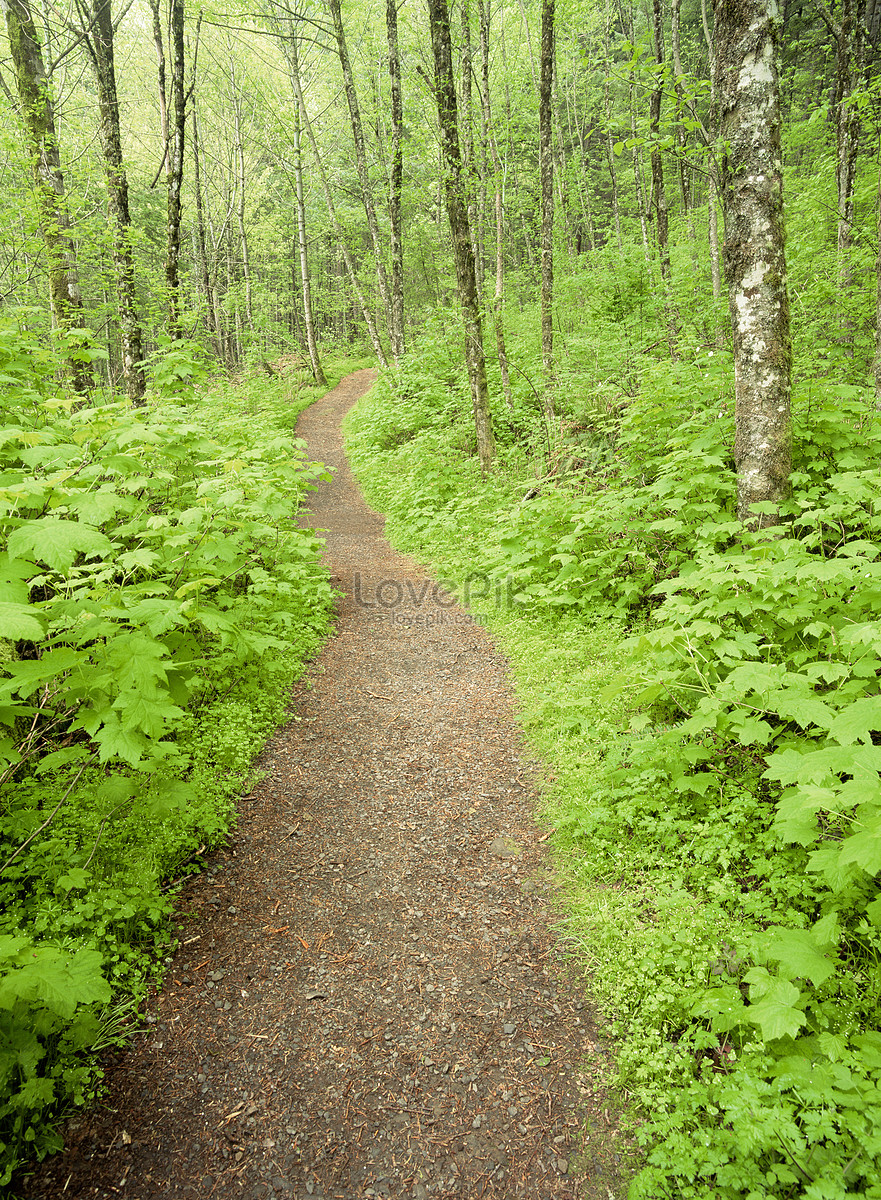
{"x": 156, "y": 600}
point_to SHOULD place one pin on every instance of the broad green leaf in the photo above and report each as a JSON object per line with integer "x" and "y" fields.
{"x": 27, "y": 675}
{"x": 863, "y": 848}
{"x": 58, "y": 542}
{"x": 798, "y": 954}
{"x": 775, "y": 1013}
{"x": 59, "y": 979}
{"x": 858, "y": 721}
{"x": 114, "y": 741}
{"x": 21, "y": 622}
{"x": 136, "y": 661}
{"x": 150, "y": 717}
{"x": 796, "y": 816}
{"x": 723, "y": 1006}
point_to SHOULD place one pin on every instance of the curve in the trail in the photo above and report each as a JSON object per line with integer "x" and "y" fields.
{"x": 367, "y": 999}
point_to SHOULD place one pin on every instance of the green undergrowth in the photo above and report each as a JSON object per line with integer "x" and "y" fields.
{"x": 157, "y": 599}
{"x": 708, "y": 708}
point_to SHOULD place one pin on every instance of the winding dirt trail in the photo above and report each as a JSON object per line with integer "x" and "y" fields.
{"x": 367, "y": 1000}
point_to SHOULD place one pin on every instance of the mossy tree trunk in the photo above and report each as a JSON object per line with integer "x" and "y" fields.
{"x": 100, "y": 44}
{"x": 38, "y": 115}
{"x": 457, "y": 213}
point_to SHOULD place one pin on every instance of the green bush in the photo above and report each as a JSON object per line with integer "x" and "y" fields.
{"x": 157, "y": 598}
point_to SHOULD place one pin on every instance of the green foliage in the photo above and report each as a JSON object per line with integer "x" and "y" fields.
{"x": 177, "y": 367}
{"x": 156, "y": 600}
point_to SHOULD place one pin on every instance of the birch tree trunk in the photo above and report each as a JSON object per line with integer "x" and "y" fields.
{"x": 607, "y": 112}
{"x": 239, "y": 149}
{"x": 712, "y": 173}
{"x": 638, "y": 181}
{"x": 681, "y": 135}
{"x": 457, "y": 212}
{"x": 847, "y": 32}
{"x": 101, "y": 50}
{"x": 159, "y": 43}
{"x": 745, "y": 38}
{"x": 38, "y": 114}
{"x": 212, "y": 316}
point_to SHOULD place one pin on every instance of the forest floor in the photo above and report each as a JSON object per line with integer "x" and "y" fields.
{"x": 369, "y": 999}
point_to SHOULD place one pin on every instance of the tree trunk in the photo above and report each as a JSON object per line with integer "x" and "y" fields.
{"x": 163, "y": 93}
{"x": 713, "y": 180}
{"x": 499, "y": 295}
{"x": 175, "y": 167}
{"x": 546, "y": 172}
{"x": 361, "y": 159}
{"x": 302, "y": 245}
{"x": 396, "y": 183}
{"x": 848, "y": 39}
{"x": 372, "y": 332}
{"x": 240, "y": 206}
{"x": 681, "y": 135}
{"x": 638, "y": 181}
{"x": 101, "y": 48}
{"x": 212, "y": 317}
{"x": 876, "y": 365}
{"x": 607, "y": 111}
{"x": 659, "y": 194}
{"x": 745, "y": 38}
{"x": 457, "y": 212}
{"x": 38, "y": 114}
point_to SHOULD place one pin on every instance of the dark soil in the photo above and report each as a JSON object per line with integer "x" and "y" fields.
{"x": 368, "y": 999}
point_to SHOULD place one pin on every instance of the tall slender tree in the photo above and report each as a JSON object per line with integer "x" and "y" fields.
{"x": 293, "y": 55}
{"x": 498, "y": 187}
{"x": 457, "y": 213}
{"x": 546, "y": 173}
{"x": 361, "y": 159}
{"x": 396, "y": 185}
{"x": 345, "y": 251}
{"x": 176, "y": 133}
{"x": 38, "y": 114}
{"x": 99, "y": 34}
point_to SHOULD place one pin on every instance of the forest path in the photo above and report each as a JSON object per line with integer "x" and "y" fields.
{"x": 367, "y": 1000}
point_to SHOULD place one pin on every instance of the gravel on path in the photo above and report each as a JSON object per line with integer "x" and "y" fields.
{"x": 368, "y": 1000}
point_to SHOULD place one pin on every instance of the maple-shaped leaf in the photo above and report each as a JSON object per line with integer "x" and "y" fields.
{"x": 57, "y": 542}
{"x": 59, "y": 979}
{"x": 797, "y": 808}
{"x": 144, "y": 714}
{"x": 858, "y": 721}
{"x": 116, "y": 742}
{"x": 775, "y": 1013}
{"x": 136, "y": 662}
{"x": 799, "y": 955}
{"x": 20, "y": 622}
{"x": 863, "y": 848}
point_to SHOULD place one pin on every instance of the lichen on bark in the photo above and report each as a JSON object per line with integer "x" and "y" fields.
{"x": 746, "y": 33}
